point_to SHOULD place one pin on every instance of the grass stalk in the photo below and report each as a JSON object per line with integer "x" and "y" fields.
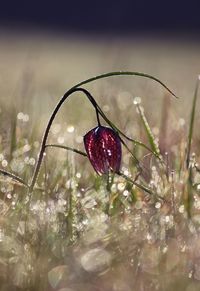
{"x": 65, "y": 96}
{"x": 13, "y": 177}
{"x": 191, "y": 127}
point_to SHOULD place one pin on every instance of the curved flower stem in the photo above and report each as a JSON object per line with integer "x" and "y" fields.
{"x": 66, "y": 95}
{"x": 124, "y": 73}
{"x": 46, "y": 133}
{"x": 142, "y": 187}
{"x": 66, "y": 148}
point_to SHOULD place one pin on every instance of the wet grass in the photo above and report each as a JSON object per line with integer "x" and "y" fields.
{"x": 79, "y": 231}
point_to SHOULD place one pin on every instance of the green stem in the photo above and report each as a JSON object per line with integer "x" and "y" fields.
{"x": 13, "y": 177}
{"x": 66, "y": 95}
{"x": 46, "y": 133}
{"x": 125, "y": 73}
{"x": 66, "y": 148}
{"x": 192, "y": 116}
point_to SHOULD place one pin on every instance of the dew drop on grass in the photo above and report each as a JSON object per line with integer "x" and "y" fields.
{"x": 88, "y": 202}
{"x": 9, "y": 195}
{"x": 121, "y": 186}
{"x": 157, "y": 205}
{"x": 26, "y": 148}
{"x": 70, "y": 129}
{"x": 136, "y": 100}
{"x": 1, "y": 235}
{"x": 138, "y": 204}
{"x": 26, "y": 160}
{"x": 78, "y": 175}
{"x": 114, "y": 188}
{"x": 56, "y": 128}
{"x": 190, "y": 274}
{"x": 181, "y": 209}
{"x": 25, "y": 118}
{"x": 61, "y": 139}
{"x": 126, "y": 193}
{"x": 20, "y": 115}
{"x": 4, "y": 163}
{"x": 96, "y": 260}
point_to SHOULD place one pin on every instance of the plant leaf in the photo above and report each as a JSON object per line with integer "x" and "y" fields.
{"x": 66, "y": 148}
{"x": 149, "y": 133}
{"x": 192, "y": 116}
{"x": 125, "y": 73}
{"x": 13, "y": 177}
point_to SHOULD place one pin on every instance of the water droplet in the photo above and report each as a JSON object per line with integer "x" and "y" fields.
{"x": 157, "y": 205}
{"x": 56, "y": 128}
{"x": 61, "y": 139}
{"x": 26, "y": 160}
{"x": 4, "y": 163}
{"x": 126, "y": 193}
{"x": 181, "y": 122}
{"x": 121, "y": 186}
{"x": 9, "y": 196}
{"x": 181, "y": 209}
{"x": 1, "y": 235}
{"x": 136, "y": 100}
{"x": 20, "y": 115}
{"x": 26, "y": 148}
{"x": 25, "y": 118}
{"x": 138, "y": 204}
{"x": 78, "y": 175}
{"x": 190, "y": 274}
{"x": 70, "y": 129}
{"x": 32, "y": 161}
{"x": 96, "y": 260}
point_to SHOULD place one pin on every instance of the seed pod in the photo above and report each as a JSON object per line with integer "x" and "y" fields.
{"x": 103, "y": 148}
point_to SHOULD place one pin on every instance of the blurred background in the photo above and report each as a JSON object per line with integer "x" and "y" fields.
{"x": 47, "y": 46}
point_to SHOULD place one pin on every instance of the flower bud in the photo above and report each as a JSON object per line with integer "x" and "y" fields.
{"x": 103, "y": 147}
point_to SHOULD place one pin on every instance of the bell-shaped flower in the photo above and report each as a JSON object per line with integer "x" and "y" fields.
{"x": 103, "y": 147}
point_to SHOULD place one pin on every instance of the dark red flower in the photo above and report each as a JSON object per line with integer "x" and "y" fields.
{"x": 103, "y": 148}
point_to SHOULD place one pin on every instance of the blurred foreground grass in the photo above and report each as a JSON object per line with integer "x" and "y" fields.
{"x": 80, "y": 231}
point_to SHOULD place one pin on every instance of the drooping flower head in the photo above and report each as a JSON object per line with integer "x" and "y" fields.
{"x": 103, "y": 148}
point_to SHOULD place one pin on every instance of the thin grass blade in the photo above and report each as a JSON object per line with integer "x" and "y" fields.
{"x": 125, "y": 73}
{"x": 154, "y": 146}
{"x": 192, "y": 116}
{"x": 13, "y": 177}
{"x": 67, "y": 148}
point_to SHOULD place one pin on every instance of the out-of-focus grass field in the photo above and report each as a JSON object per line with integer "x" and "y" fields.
{"x": 79, "y": 231}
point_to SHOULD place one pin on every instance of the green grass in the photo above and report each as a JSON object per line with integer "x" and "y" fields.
{"x": 77, "y": 231}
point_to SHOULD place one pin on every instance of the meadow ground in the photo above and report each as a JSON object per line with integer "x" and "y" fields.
{"x": 79, "y": 231}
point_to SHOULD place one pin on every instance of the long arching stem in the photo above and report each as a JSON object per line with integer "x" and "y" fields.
{"x": 53, "y": 115}
{"x": 66, "y": 95}
{"x": 125, "y": 73}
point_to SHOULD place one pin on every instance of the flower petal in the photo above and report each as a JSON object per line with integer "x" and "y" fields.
{"x": 103, "y": 148}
